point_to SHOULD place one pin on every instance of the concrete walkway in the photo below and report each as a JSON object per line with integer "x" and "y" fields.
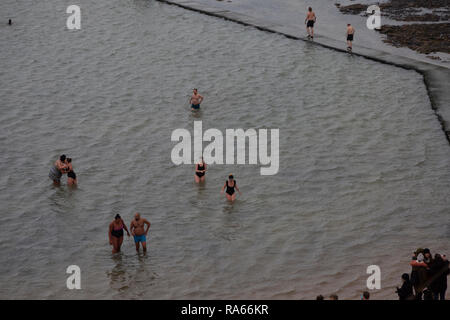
{"x": 436, "y": 76}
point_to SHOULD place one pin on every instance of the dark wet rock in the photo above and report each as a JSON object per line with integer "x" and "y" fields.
{"x": 424, "y": 38}
{"x": 353, "y": 8}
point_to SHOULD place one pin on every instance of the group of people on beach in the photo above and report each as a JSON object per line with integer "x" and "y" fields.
{"x": 63, "y": 166}
{"x": 428, "y": 277}
{"x": 427, "y": 281}
{"x": 311, "y": 19}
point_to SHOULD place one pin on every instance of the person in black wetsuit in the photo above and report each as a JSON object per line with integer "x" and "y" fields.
{"x": 405, "y": 292}
{"x": 200, "y": 170}
{"x": 230, "y": 185}
{"x": 115, "y": 233}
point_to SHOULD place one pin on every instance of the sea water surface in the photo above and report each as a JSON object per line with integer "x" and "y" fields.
{"x": 364, "y": 165}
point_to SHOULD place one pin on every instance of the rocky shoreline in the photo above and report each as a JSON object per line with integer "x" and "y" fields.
{"x": 424, "y": 37}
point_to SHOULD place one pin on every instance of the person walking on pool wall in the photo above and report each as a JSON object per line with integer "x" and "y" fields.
{"x": 138, "y": 231}
{"x": 309, "y": 21}
{"x": 195, "y": 100}
{"x": 350, "y": 34}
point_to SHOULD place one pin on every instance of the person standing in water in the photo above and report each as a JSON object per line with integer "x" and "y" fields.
{"x": 350, "y": 33}
{"x": 200, "y": 170}
{"x": 115, "y": 233}
{"x": 138, "y": 231}
{"x": 59, "y": 168}
{"x": 71, "y": 176}
{"x": 195, "y": 100}
{"x": 230, "y": 185}
{"x": 309, "y": 21}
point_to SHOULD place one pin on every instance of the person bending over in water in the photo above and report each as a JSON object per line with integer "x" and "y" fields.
{"x": 59, "y": 168}
{"x": 71, "y": 176}
{"x": 309, "y": 21}
{"x": 196, "y": 99}
{"x": 200, "y": 170}
{"x": 350, "y": 33}
{"x": 138, "y": 232}
{"x": 115, "y": 233}
{"x": 230, "y": 184}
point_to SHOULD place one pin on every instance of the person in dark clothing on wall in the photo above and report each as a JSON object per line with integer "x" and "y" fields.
{"x": 439, "y": 271}
{"x": 419, "y": 273}
{"x": 406, "y": 290}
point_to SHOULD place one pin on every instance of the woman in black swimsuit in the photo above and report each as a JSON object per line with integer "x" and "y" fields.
{"x": 116, "y": 233}
{"x": 71, "y": 176}
{"x": 230, "y": 185}
{"x": 200, "y": 170}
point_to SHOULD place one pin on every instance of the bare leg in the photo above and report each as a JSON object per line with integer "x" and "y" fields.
{"x": 137, "y": 246}
{"x": 197, "y": 179}
{"x": 202, "y": 179}
{"x": 233, "y": 197}
{"x": 119, "y": 243}
{"x": 114, "y": 241}
{"x": 144, "y": 246}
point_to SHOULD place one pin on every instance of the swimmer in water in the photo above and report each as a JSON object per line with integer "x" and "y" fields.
{"x": 195, "y": 100}
{"x": 59, "y": 168}
{"x": 350, "y": 33}
{"x": 71, "y": 176}
{"x": 200, "y": 170}
{"x": 230, "y": 185}
{"x": 115, "y": 233}
{"x": 138, "y": 232}
{"x": 309, "y": 21}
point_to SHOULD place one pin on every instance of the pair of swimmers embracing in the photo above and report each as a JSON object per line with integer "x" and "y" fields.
{"x": 63, "y": 166}
{"x": 230, "y": 184}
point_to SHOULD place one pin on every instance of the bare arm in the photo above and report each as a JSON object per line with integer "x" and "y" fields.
{"x": 148, "y": 225}
{"x": 125, "y": 227}
{"x": 109, "y": 232}
{"x": 223, "y": 188}
{"x": 132, "y": 228}
{"x": 235, "y": 185}
{"x": 201, "y": 99}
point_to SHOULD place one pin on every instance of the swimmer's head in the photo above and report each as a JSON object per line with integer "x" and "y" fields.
{"x": 62, "y": 157}
{"x": 348, "y": 24}
{"x": 195, "y": 90}
{"x": 137, "y": 216}
{"x": 69, "y": 160}
{"x": 230, "y": 177}
{"x": 309, "y": 9}
{"x": 117, "y": 216}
